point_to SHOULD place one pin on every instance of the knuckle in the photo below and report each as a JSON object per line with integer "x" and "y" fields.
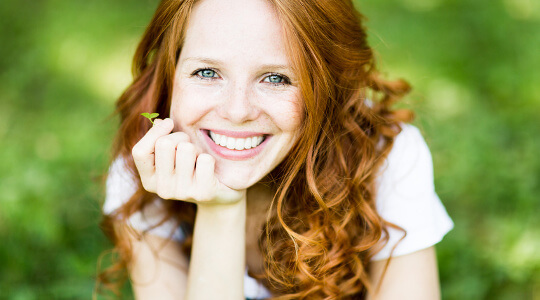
{"x": 187, "y": 148}
{"x": 181, "y": 136}
{"x": 164, "y": 143}
{"x": 137, "y": 152}
{"x": 184, "y": 136}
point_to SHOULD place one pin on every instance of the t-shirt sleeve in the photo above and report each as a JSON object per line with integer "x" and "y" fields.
{"x": 406, "y": 197}
{"x": 120, "y": 186}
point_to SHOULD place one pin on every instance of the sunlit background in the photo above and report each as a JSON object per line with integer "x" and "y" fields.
{"x": 474, "y": 66}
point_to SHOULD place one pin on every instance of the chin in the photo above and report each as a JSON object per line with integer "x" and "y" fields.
{"x": 238, "y": 178}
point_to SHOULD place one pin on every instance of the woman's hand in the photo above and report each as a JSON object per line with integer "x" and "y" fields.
{"x": 171, "y": 167}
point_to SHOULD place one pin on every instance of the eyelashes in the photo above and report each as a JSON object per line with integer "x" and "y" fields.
{"x": 206, "y": 73}
{"x": 274, "y": 79}
{"x": 278, "y": 79}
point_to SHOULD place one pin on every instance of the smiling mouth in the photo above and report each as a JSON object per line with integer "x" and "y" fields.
{"x": 236, "y": 143}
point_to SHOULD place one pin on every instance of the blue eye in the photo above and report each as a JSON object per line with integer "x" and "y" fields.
{"x": 206, "y": 73}
{"x": 276, "y": 79}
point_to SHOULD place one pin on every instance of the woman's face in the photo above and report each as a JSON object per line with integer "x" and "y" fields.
{"x": 235, "y": 93}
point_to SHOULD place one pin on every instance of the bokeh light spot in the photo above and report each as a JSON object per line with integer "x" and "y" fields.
{"x": 104, "y": 73}
{"x": 523, "y": 9}
{"x": 447, "y": 97}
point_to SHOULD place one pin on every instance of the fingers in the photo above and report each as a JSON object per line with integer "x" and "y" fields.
{"x": 154, "y": 152}
{"x": 185, "y": 164}
{"x": 204, "y": 173}
{"x": 170, "y": 166}
{"x": 165, "y": 155}
{"x": 205, "y": 179}
{"x": 143, "y": 151}
{"x": 145, "y": 146}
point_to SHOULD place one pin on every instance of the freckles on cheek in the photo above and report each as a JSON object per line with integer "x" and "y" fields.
{"x": 288, "y": 115}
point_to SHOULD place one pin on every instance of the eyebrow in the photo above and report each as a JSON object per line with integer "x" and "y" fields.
{"x": 219, "y": 63}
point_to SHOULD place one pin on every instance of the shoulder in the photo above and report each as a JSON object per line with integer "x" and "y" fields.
{"x": 406, "y": 196}
{"x": 409, "y": 161}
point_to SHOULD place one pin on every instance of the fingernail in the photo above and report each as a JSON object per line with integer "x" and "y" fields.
{"x": 157, "y": 121}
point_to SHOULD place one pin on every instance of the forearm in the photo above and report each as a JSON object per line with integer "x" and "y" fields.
{"x": 217, "y": 263}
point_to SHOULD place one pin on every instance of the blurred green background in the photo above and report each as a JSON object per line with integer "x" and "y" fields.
{"x": 474, "y": 66}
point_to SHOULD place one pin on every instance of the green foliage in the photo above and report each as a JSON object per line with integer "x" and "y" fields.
{"x": 474, "y": 68}
{"x": 150, "y": 116}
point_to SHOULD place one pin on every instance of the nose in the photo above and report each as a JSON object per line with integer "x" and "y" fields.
{"x": 239, "y": 106}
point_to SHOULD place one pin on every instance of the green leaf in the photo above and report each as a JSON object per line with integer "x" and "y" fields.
{"x": 150, "y": 116}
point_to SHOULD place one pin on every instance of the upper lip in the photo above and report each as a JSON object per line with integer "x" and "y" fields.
{"x": 236, "y": 134}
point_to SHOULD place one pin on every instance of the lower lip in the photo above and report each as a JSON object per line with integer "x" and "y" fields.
{"x": 232, "y": 154}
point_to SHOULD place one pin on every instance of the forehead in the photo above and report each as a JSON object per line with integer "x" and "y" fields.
{"x": 235, "y": 30}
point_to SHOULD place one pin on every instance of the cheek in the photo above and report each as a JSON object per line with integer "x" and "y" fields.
{"x": 188, "y": 105}
{"x": 288, "y": 115}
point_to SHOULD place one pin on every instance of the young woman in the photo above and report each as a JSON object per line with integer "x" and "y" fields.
{"x": 277, "y": 168}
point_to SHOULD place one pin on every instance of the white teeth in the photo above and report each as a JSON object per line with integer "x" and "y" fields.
{"x": 215, "y": 137}
{"x": 239, "y": 144}
{"x": 223, "y": 140}
{"x": 236, "y": 143}
{"x": 247, "y": 144}
{"x": 231, "y": 142}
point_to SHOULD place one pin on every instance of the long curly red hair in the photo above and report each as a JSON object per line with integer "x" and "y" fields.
{"x": 322, "y": 227}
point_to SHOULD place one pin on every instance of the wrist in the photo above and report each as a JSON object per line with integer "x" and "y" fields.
{"x": 223, "y": 210}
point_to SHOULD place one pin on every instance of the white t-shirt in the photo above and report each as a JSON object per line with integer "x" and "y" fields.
{"x": 405, "y": 197}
